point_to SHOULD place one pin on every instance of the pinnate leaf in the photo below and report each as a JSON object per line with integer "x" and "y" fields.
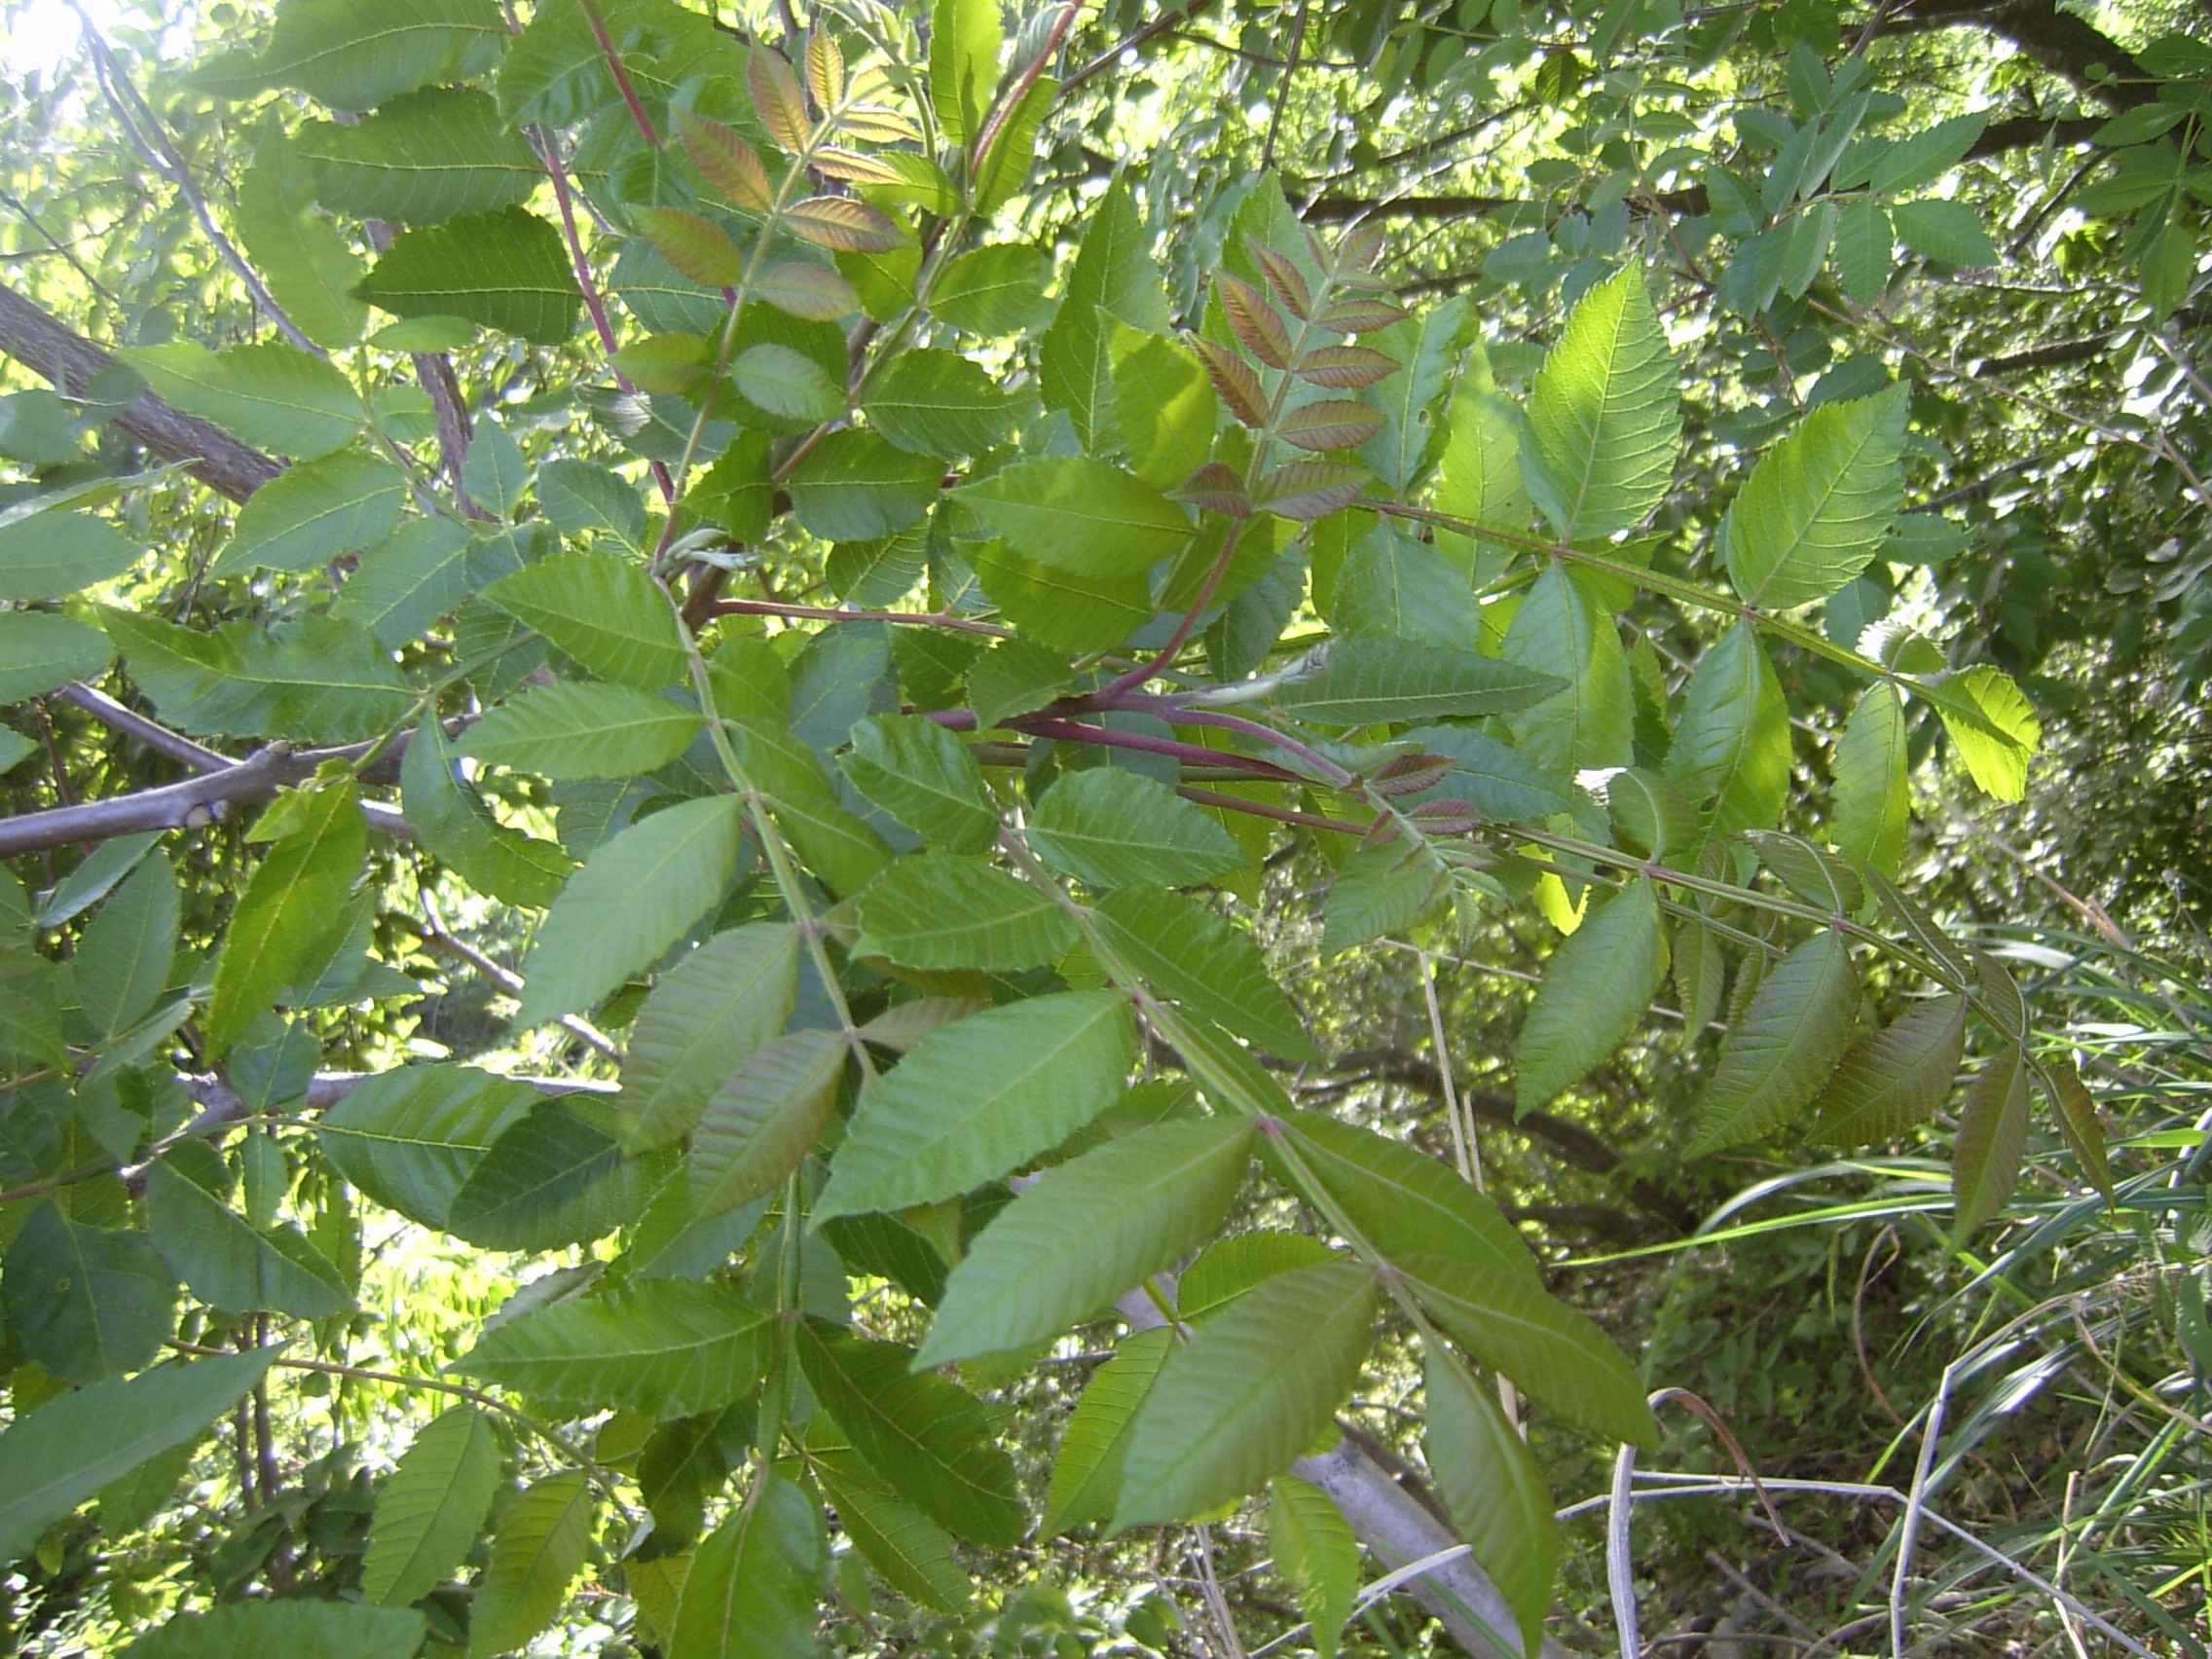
{"x": 539, "y": 1551}
{"x": 979, "y": 1098}
{"x": 938, "y": 912}
{"x": 667, "y": 1347}
{"x": 707, "y": 1014}
{"x": 1594, "y": 991}
{"x": 1784, "y": 1045}
{"x": 764, "y": 1119}
{"x": 1109, "y": 827}
{"x": 1251, "y": 1390}
{"x": 1895, "y": 1076}
{"x": 430, "y": 1509}
{"x": 1086, "y": 1232}
{"x": 1492, "y": 1488}
{"x": 578, "y": 729}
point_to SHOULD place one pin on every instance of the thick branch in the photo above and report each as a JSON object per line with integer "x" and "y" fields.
{"x": 187, "y": 805}
{"x": 40, "y": 342}
{"x": 2062, "y": 42}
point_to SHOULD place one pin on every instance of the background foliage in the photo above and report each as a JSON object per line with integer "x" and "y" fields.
{"x": 990, "y": 829}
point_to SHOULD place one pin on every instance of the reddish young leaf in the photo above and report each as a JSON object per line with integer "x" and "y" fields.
{"x": 1256, "y": 323}
{"x": 1234, "y": 379}
{"x": 1216, "y": 489}
{"x": 1333, "y": 423}
{"x": 694, "y": 244}
{"x": 1284, "y": 279}
{"x": 1311, "y": 489}
{"x": 824, "y": 69}
{"x": 727, "y": 161}
{"x": 777, "y": 99}
{"x": 850, "y": 166}
{"x": 1345, "y": 368}
{"x": 1361, "y": 317}
{"x": 844, "y": 226}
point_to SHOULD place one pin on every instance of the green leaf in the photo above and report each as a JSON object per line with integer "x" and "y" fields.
{"x": 223, "y": 1261}
{"x": 297, "y": 1628}
{"x": 709, "y": 1011}
{"x": 633, "y": 899}
{"x": 1784, "y": 1046}
{"x": 1490, "y": 777}
{"x": 1594, "y": 994}
{"x": 271, "y": 395}
{"x": 420, "y": 158}
{"x": 310, "y": 270}
{"x": 1393, "y": 587}
{"x": 979, "y": 1098}
{"x": 318, "y": 681}
{"x": 494, "y": 473}
{"x": 938, "y": 912}
{"x": 753, "y": 1589}
{"x": 1992, "y": 1140}
{"x": 787, "y": 383}
{"x": 1563, "y": 629}
{"x": 506, "y": 271}
{"x": 352, "y": 55}
{"x": 1196, "y": 955}
{"x": 1864, "y": 240}
{"x": 604, "y": 611}
{"x": 1079, "y": 515}
{"x": 764, "y": 1119}
{"x": 552, "y": 1180}
{"x": 542, "y": 1541}
{"x": 1604, "y": 417}
{"x": 574, "y": 729}
{"x": 86, "y": 1303}
{"x": 1494, "y": 1490}
{"x": 286, "y": 910}
{"x": 965, "y": 41}
{"x": 1731, "y": 750}
{"x": 57, "y": 1455}
{"x": 405, "y": 584}
{"x": 1057, "y": 609}
{"x": 1403, "y": 1204}
{"x": 937, "y": 402}
{"x": 905, "y": 1546}
{"x": 1113, "y": 276}
{"x": 1818, "y": 506}
{"x": 39, "y": 652}
{"x": 1227, "y": 1267}
{"x": 315, "y": 511}
{"x": 1162, "y": 404}
{"x": 1381, "y": 890}
{"x": 1109, "y": 827}
{"x": 992, "y": 291}
{"x": 852, "y": 486}
{"x": 928, "y": 1439}
{"x": 1949, "y": 233}
{"x": 667, "y": 1347}
{"x": 50, "y": 554}
{"x": 408, "y": 1138}
{"x": 1317, "y": 1555}
{"x": 1553, "y": 1352}
{"x": 1086, "y": 1232}
{"x": 1087, "y": 1473}
{"x": 1380, "y": 682}
{"x": 430, "y": 1509}
{"x": 1873, "y": 795}
{"x": 1252, "y": 1389}
{"x": 123, "y": 960}
{"x": 452, "y": 823}
{"x": 1923, "y": 156}
{"x": 925, "y": 777}
{"x": 583, "y": 500}
{"x": 1895, "y": 1076}
{"x": 1431, "y": 348}
{"x": 1014, "y": 677}
{"x": 1993, "y": 725}
{"x": 840, "y": 848}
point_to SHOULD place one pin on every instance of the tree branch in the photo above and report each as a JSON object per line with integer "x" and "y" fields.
{"x": 2064, "y": 43}
{"x": 41, "y": 344}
